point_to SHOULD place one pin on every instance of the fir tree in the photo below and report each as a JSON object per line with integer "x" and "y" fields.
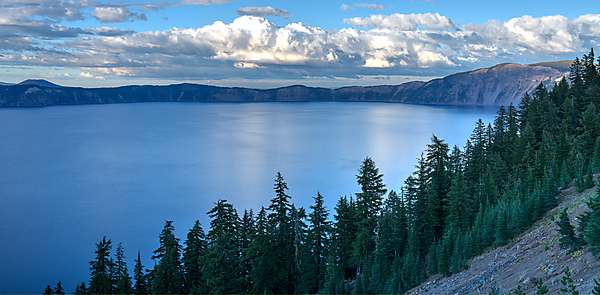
{"x": 167, "y": 277}
{"x": 369, "y": 204}
{"x": 48, "y": 290}
{"x": 518, "y": 291}
{"x": 596, "y": 289}
{"x": 541, "y": 289}
{"x": 589, "y": 225}
{"x": 222, "y": 263}
{"x": 193, "y": 251}
{"x": 80, "y": 289}
{"x": 567, "y": 282}
{"x": 313, "y": 267}
{"x": 140, "y": 285}
{"x": 59, "y": 290}
{"x": 101, "y": 278}
{"x": 568, "y": 239}
{"x": 121, "y": 275}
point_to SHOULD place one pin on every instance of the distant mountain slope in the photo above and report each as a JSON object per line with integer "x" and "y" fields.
{"x": 38, "y": 82}
{"x": 499, "y": 85}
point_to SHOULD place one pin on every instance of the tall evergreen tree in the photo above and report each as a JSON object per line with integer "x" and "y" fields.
{"x": 121, "y": 274}
{"x": 222, "y": 263}
{"x": 167, "y": 276}
{"x": 193, "y": 252}
{"x": 101, "y": 278}
{"x": 368, "y": 204}
{"x": 140, "y": 285}
{"x": 313, "y": 267}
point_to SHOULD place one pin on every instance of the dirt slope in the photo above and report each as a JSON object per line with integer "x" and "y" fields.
{"x": 533, "y": 255}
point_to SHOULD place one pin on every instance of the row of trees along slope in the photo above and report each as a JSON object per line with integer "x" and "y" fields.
{"x": 457, "y": 203}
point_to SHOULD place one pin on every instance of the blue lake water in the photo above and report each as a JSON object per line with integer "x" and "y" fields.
{"x": 70, "y": 175}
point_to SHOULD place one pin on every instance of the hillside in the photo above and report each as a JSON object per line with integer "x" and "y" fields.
{"x": 532, "y": 255}
{"x": 499, "y": 85}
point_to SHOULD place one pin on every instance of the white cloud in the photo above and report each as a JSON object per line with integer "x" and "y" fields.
{"x": 116, "y": 15}
{"x": 264, "y": 11}
{"x": 346, "y": 7}
{"x": 413, "y": 44}
{"x": 404, "y": 22}
{"x": 371, "y": 6}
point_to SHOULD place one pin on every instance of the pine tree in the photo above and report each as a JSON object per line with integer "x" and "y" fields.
{"x": 80, "y": 289}
{"x": 518, "y": 291}
{"x": 313, "y": 267}
{"x": 140, "y": 286}
{"x": 440, "y": 181}
{"x": 568, "y": 239}
{"x": 101, "y": 278}
{"x": 48, "y": 290}
{"x": 246, "y": 235}
{"x": 541, "y": 289}
{"x": 589, "y": 224}
{"x": 262, "y": 264}
{"x": 281, "y": 249}
{"x": 222, "y": 264}
{"x": 121, "y": 275}
{"x": 596, "y": 289}
{"x": 193, "y": 251}
{"x": 59, "y": 290}
{"x": 344, "y": 233}
{"x": 167, "y": 275}
{"x": 369, "y": 203}
{"x": 567, "y": 282}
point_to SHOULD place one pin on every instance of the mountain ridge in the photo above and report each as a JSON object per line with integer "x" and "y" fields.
{"x": 502, "y": 84}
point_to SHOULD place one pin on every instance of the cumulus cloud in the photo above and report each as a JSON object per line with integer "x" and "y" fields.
{"x": 404, "y": 22}
{"x": 253, "y": 47}
{"x": 264, "y": 11}
{"x": 371, "y": 6}
{"x": 116, "y": 15}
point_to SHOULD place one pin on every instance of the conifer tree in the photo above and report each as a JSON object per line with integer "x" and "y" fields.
{"x": 140, "y": 285}
{"x": 59, "y": 290}
{"x": 101, "y": 278}
{"x": 589, "y": 225}
{"x": 281, "y": 249}
{"x": 567, "y": 282}
{"x": 344, "y": 233}
{"x": 541, "y": 289}
{"x": 121, "y": 275}
{"x": 193, "y": 252}
{"x": 368, "y": 204}
{"x": 568, "y": 239}
{"x": 313, "y": 267}
{"x": 246, "y": 236}
{"x": 222, "y": 264}
{"x": 48, "y": 290}
{"x": 439, "y": 183}
{"x": 80, "y": 289}
{"x": 596, "y": 289}
{"x": 167, "y": 276}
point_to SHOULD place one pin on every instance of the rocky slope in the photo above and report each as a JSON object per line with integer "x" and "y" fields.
{"x": 499, "y": 85}
{"x": 532, "y": 256}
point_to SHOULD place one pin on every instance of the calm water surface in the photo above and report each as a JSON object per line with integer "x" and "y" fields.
{"x": 70, "y": 175}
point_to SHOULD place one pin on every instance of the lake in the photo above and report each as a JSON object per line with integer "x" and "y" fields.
{"x": 70, "y": 175}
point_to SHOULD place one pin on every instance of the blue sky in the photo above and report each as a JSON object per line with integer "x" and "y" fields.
{"x": 277, "y": 43}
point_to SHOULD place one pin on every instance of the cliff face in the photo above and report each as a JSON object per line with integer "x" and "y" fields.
{"x": 499, "y": 85}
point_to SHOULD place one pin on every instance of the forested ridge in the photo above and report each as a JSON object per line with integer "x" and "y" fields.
{"x": 457, "y": 203}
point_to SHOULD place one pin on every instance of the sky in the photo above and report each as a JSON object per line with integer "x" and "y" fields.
{"x": 266, "y": 44}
